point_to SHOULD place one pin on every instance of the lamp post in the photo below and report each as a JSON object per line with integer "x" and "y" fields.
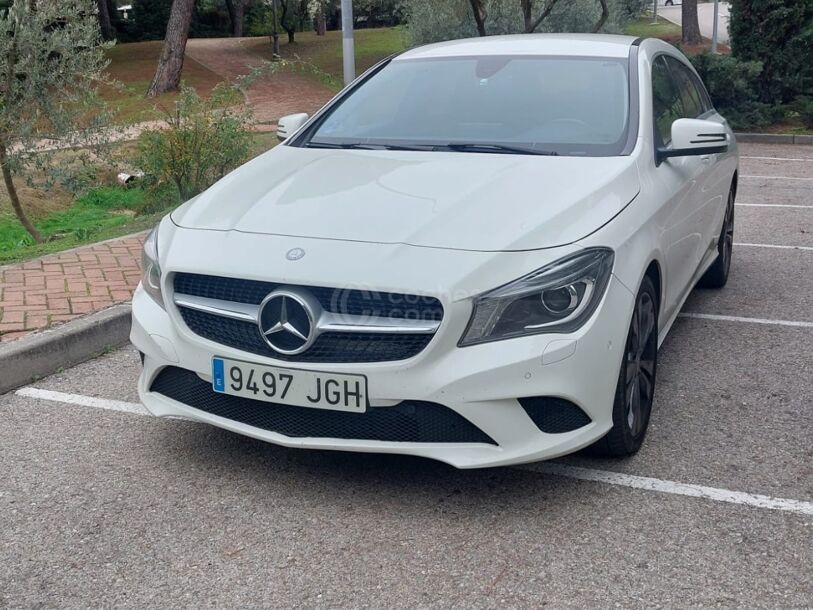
{"x": 655, "y": 12}
{"x": 348, "y": 46}
{"x": 714, "y": 27}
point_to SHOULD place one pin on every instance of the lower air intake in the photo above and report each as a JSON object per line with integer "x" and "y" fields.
{"x": 407, "y": 422}
{"x": 554, "y": 415}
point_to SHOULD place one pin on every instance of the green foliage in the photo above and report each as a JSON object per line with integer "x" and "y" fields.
{"x": 148, "y": 20}
{"x": 437, "y": 20}
{"x": 99, "y": 209}
{"x": 52, "y": 60}
{"x": 778, "y": 33}
{"x": 734, "y": 88}
{"x": 802, "y": 107}
{"x": 204, "y": 140}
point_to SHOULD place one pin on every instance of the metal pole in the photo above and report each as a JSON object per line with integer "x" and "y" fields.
{"x": 655, "y": 13}
{"x": 714, "y": 29}
{"x": 348, "y": 46}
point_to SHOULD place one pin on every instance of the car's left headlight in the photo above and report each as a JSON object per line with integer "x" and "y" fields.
{"x": 151, "y": 269}
{"x": 557, "y": 298}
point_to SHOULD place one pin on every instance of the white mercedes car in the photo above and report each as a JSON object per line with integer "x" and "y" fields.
{"x": 471, "y": 254}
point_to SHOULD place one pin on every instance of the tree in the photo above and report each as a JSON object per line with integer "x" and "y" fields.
{"x": 293, "y": 12}
{"x": 51, "y": 60}
{"x": 691, "y": 27}
{"x": 170, "y": 64}
{"x": 480, "y": 16}
{"x": 105, "y": 22}
{"x": 236, "y": 10}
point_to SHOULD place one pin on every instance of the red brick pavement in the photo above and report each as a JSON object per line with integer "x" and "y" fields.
{"x": 64, "y": 286}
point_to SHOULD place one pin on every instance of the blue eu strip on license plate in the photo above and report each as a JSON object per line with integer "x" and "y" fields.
{"x": 218, "y": 375}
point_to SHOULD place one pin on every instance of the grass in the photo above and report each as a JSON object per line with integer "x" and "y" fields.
{"x": 133, "y": 65}
{"x": 662, "y": 28}
{"x": 325, "y": 52}
{"x": 103, "y": 212}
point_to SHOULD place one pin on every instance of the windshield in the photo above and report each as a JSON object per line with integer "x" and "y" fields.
{"x": 533, "y": 104}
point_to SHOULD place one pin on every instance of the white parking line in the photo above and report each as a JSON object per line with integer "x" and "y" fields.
{"x": 778, "y": 178}
{"x": 779, "y": 247}
{"x": 721, "y": 318}
{"x": 772, "y": 205}
{"x": 83, "y": 401}
{"x": 775, "y": 158}
{"x": 673, "y": 487}
{"x": 571, "y": 472}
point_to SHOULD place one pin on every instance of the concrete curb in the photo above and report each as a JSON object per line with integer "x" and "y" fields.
{"x": 774, "y": 138}
{"x": 35, "y": 356}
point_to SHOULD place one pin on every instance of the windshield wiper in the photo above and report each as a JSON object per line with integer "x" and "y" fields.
{"x": 360, "y": 146}
{"x": 498, "y": 148}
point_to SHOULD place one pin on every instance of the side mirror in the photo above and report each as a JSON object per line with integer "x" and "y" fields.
{"x": 695, "y": 137}
{"x": 288, "y": 125}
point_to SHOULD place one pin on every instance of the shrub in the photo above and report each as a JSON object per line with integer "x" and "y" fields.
{"x": 779, "y": 33}
{"x": 733, "y": 85}
{"x": 148, "y": 20}
{"x": 802, "y": 106}
{"x": 204, "y": 140}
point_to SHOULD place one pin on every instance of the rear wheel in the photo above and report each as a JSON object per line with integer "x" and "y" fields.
{"x": 717, "y": 274}
{"x": 636, "y": 380}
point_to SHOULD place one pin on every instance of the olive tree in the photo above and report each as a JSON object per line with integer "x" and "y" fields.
{"x": 51, "y": 61}
{"x": 436, "y": 20}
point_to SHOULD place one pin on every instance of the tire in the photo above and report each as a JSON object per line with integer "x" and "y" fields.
{"x": 636, "y": 379}
{"x": 717, "y": 275}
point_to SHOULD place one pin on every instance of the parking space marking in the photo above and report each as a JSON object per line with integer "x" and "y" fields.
{"x": 776, "y": 246}
{"x": 571, "y": 472}
{"x": 774, "y": 205}
{"x": 722, "y": 318}
{"x": 673, "y": 487}
{"x": 775, "y": 158}
{"x": 83, "y": 401}
{"x": 778, "y": 178}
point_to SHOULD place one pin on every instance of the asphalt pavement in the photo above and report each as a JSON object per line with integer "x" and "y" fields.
{"x": 103, "y": 506}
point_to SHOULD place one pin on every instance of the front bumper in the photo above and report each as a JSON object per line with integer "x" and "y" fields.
{"x": 481, "y": 383}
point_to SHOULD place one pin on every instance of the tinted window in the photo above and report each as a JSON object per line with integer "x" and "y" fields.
{"x": 576, "y": 105}
{"x": 667, "y": 106}
{"x": 689, "y": 93}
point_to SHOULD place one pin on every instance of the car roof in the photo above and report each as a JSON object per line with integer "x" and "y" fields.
{"x": 577, "y": 45}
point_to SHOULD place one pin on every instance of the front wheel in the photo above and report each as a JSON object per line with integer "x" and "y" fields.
{"x": 636, "y": 380}
{"x": 717, "y": 274}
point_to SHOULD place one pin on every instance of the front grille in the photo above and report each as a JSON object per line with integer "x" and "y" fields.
{"x": 329, "y": 347}
{"x": 336, "y": 347}
{"x": 407, "y": 422}
{"x": 554, "y": 415}
{"x": 336, "y": 300}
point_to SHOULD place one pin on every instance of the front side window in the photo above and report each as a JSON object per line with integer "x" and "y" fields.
{"x": 667, "y": 106}
{"x": 549, "y": 105}
{"x": 689, "y": 93}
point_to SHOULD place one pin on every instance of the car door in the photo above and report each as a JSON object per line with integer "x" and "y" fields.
{"x": 678, "y": 180}
{"x": 714, "y": 181}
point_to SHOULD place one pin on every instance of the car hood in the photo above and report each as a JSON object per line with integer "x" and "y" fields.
{"x": 464, "y": 201}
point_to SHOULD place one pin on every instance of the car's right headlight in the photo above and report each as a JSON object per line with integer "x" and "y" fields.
{"x": 151, "y": 269}
{"x": 557, "y": 298}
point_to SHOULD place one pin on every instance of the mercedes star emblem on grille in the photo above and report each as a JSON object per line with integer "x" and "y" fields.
{"x": 286, "y": 321}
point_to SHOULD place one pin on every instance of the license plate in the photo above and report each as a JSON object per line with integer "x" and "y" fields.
{"x": 290, "y": 386}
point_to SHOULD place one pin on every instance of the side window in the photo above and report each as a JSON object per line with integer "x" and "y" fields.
{"x": 689, "y": 93}
{"x": 667, "y": 106}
